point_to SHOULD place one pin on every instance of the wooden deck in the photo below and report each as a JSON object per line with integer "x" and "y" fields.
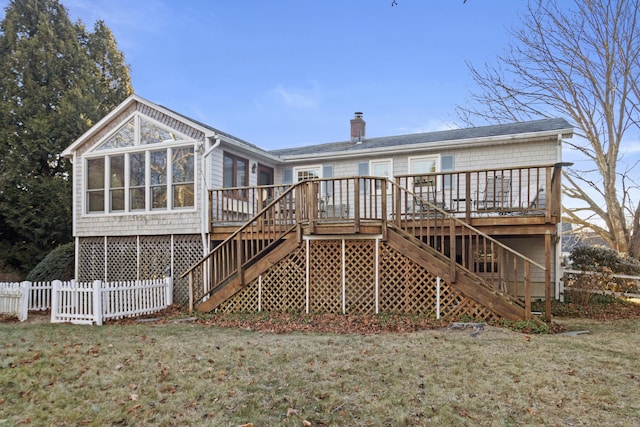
{"x": 440, "y": 225}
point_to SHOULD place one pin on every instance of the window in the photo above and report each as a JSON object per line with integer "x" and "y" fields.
{"x": 425, "y": 165}
{"x": 153, "y": 169}
{"x": 382, "y": 168}
{"x": 158, "y": 179}
{"x": 235, "y": 174}
{"x": 116, "y": 184}
{"x": 95, "y": 185}
{"x": 137, "y": 172}
{"x": 235, "y": 171}
{"x": 182, "y": 177}
{"x": 303, "y": 174}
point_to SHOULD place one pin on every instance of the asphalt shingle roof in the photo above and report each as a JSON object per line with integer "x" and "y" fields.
{"x": 430, "y": 137}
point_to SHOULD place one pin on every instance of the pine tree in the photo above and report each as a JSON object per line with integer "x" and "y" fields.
{"x": 51, "y": 91}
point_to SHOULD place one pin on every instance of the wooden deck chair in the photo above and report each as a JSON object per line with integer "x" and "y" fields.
{"x": 495, "y": 196}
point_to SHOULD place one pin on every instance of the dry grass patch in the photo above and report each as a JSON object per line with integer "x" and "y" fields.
{"x": 195, "y": 374}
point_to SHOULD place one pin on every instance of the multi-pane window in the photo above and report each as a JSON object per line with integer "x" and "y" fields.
{"x": 116, "y": 185}
{"x": 137, "y": 172}
{"x": 153, "y": 169}
{"x": 182, "y": 177}
{"x": 158, "y": 179}
{"x": 95, "y": 185}
{"x": 306, "y": 174}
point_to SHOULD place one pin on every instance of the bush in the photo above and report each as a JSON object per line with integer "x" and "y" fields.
{"x": 596, "y": 258}
{"x": 59, "y": 264}
{"x": 606, "y": 263}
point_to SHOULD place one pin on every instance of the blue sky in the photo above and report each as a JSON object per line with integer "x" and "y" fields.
{"x": 283, "y": 73}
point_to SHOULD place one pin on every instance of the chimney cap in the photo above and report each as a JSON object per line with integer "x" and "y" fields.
{"x": 358, "y": 114}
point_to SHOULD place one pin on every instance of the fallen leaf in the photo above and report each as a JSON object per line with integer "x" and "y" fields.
{"x": 134, "y": 408}
{"x": 306, "y": 423}
{"x": 134, "y": 396}
{"x": 291, "y": 411}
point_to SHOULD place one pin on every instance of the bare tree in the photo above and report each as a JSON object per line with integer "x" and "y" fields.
{"x": 580, "y": 62}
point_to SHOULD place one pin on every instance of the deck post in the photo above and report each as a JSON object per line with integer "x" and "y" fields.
{"x": 356, "y": 206}
{"x": 527, "y": 290}
{"x": 547, "y": 277}
{"x": 190, "y": 292}
{"x": 467, "y": 196}
{"x": 398, "y": 202}
{"x": 384, "y": 210}
{"x": 452, "y": 249}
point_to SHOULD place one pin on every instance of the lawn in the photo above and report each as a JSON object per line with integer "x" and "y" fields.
{"x": 196, "y": 373}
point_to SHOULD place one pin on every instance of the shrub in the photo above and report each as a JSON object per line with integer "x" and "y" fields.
{"x": 58, "y": 264}
{"x": 605, "y": 262}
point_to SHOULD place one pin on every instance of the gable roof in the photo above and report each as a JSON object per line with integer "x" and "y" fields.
{"x": 425, "y": 140}
{"x": 207, "y": 130}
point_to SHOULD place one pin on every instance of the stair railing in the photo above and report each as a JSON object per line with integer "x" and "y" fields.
{"x": 250, "y": 241}
{"x": 499, "y": 266}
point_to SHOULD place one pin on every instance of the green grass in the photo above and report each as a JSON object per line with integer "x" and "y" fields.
{"x": 192, "y": 374}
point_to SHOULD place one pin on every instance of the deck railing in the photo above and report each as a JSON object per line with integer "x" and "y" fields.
{"x": 522, "y": 191}
{"x": 405, "y": 203}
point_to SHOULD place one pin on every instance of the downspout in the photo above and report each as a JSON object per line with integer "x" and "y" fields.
{"x": 205, "y": 220}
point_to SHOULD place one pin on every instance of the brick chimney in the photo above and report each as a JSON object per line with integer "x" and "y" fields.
{"x": 357, "y": 128}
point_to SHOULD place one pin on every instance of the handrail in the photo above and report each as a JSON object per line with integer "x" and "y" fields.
{"x": 274, "y": 221}
{"x": 494, "y": 262}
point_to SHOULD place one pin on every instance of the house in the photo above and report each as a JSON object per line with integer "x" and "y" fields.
{"x": 457, "y": 222}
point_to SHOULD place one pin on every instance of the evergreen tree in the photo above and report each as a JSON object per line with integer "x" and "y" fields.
{"x": 113, "y": 83}
{"x": 52, "y": 89}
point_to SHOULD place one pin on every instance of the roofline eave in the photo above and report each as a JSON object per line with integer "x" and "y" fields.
{"x": 460, "y": 143}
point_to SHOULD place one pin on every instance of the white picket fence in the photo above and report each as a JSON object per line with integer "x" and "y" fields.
{"x": 18, "y": 298}
{"x": 86, "y": 303}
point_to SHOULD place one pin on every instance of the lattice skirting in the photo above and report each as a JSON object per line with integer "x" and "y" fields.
{"x": 342, "y": 279}
{"x": 140, "y": 257}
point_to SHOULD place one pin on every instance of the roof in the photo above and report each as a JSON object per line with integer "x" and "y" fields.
{"x": 556, "y": 125}
{"x": 206, "y": 129}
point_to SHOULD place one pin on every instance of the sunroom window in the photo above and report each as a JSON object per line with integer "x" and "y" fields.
{"x": 159, "y": 179}
{"x": 95, "y": 185}
{"x": 145, "y": 167}
{"x": 182, "y": 177}
{"x": 116, "y": 186}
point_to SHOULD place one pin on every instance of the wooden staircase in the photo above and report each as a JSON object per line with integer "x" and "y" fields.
{"x": 278, "y": 229}
{"x": 464, "y": 281}
{"x": 233, "y": 284}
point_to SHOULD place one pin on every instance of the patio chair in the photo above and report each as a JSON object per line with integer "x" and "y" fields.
{"x": 495, "y": 196}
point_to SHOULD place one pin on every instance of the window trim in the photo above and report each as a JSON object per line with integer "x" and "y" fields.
{"x": 146, "y": 150}
{"x": 389, "y": 162}
{"x": 411, "y": 159}
{"x": 298, "y": 169}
